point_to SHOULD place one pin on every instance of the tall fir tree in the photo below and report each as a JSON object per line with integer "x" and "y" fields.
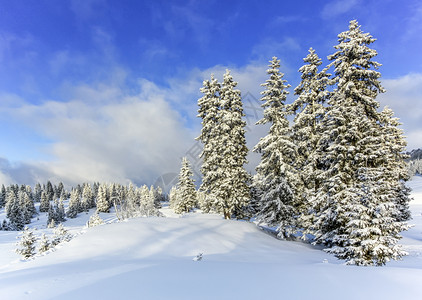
{"x": 232, "y": 192}
{"x": 225, "y": 151}
{"x": 309, "y": 110}
{"x": 103, "y": 204}
{"x": 353, "y": 215}
{"x": 185, "y": 189}
{"x": 44, "y": 203}
{"x": 395, "y": 166}
{"x": 14, "y": 211}
{"x": 27, "y": 205}
{"x": 209, "y": 112}
{"x": 49, "y": 191}
{"x": 87, "y": 200}
{"x": 37, "y": 192}
{"x": 74, "y": 204}
{"x": 277, "y": 176}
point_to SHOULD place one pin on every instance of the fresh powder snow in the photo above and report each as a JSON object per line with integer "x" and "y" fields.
{"x": 157, "y": 258}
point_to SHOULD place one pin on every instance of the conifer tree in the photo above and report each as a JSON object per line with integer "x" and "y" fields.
{"x": 103, "y": 204}
{"x": 186, "y": 189}
{"x": 87, "y": 200}
{"x": 59, "y": 207}
{"x": 173, "y": 197}
{"x": 5, "y": 226}
{"x": 49, "y": 192}
{"x": 45, "y": 203}
{"x": 60, "y": 189}
{"x": 51, "y": 216}
{"x": 2, "y": 196}
{"x": 279, "y": 179}
{"x": 159, "y": 197}
{"x": 354, "y": 215}
{"x": 61, "y": 234}
{"x": 309, "y": 111}
{"x": 74, "y": 204}
{"x": 26, "y": 244}
{"x": 44, "y": 244}
{"x": 28, "y": 205}
{"x": 95, "y": 220}
{"x": 209, "y": 112}
{"x": 224, "y": 153}
{"x": 395, "y": 167}
{"x": 37, "y": 192}
{"x": 14, "y": 211}
{"x": 232, "y": 191}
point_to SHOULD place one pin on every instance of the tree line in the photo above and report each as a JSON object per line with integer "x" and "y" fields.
{"x": 59, "y": 204}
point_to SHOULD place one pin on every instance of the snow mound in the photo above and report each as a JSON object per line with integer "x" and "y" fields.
{"x": 157, "y": 258}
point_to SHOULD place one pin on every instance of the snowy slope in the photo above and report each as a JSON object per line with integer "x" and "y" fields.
{"x": 152, "y": 258}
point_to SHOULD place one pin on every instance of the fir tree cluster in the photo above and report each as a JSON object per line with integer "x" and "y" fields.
{"x": 27, "y": 244}
{"x": 21, "y": 202}
{"x": 224, "y": 154}
{"x": 336, "y": 175}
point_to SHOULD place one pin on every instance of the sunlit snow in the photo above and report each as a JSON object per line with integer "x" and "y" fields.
{"x": 154, "y": 258}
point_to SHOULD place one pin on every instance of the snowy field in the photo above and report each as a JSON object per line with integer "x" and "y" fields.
{"x": 152, "y": 258}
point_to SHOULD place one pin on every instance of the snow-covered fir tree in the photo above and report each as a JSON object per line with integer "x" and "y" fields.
{"x": 31, "y": 203}
{"x": 230, "y": 184}
{"x": 2, "y": 196}
{"x": 59, "y": 189}
{"x": 44, "y": 244}
{"x": 26, "y": 244}
{"x": 209, "y": 107}
{"x": 87, "y": 200}
{"x": 395, "y": 167}
{"x": 5, "y": 226}
{"x": 185, "y": 189}
{"x": 103, "y": 204}
{"x": 49, "y": 190}
{"x": 61, "y": 234}
{"x": 148, "y": 205}
{"x": 14, "y": 211}
{"x": 27, "y": 206}
{"x": 95, "y": 220}
{"x": 37, "y": 192}
{"x": 276, "y": 169}
{"x": 60, "y": 211}
{"x": 203, "y": 201}
{"x": 354, "y": 215}
{"x": 51, "y": 217}
{"x": 159, "y": 198}
{"x": 74, "y": 204}
{"x": 45, "y": 203}
{"x": 309, "y": 110}
{"x": 173, "y": 196}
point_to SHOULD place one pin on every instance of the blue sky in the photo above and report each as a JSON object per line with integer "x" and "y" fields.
{"x": 107, "y": 90}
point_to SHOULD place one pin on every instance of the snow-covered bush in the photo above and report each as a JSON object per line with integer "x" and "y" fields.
{"x": 60, "y": 235}
{"x": 95, "y": 220}
{"x": 44, "y": 244}
{"x": 26, "y": 244}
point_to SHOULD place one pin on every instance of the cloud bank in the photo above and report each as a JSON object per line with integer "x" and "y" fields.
{"x": 110, "y": 132}
{"x": 403, "y": 96}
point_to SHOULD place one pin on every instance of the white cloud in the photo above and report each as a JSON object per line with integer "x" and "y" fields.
{"x": 104, "y": 132}
{"x": 338, "y": 7}
{"x": 404, "y": 97}
{"x": 117, "y": 138}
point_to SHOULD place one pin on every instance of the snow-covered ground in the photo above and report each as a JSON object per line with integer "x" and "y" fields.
{"x": 153, "y": 258}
